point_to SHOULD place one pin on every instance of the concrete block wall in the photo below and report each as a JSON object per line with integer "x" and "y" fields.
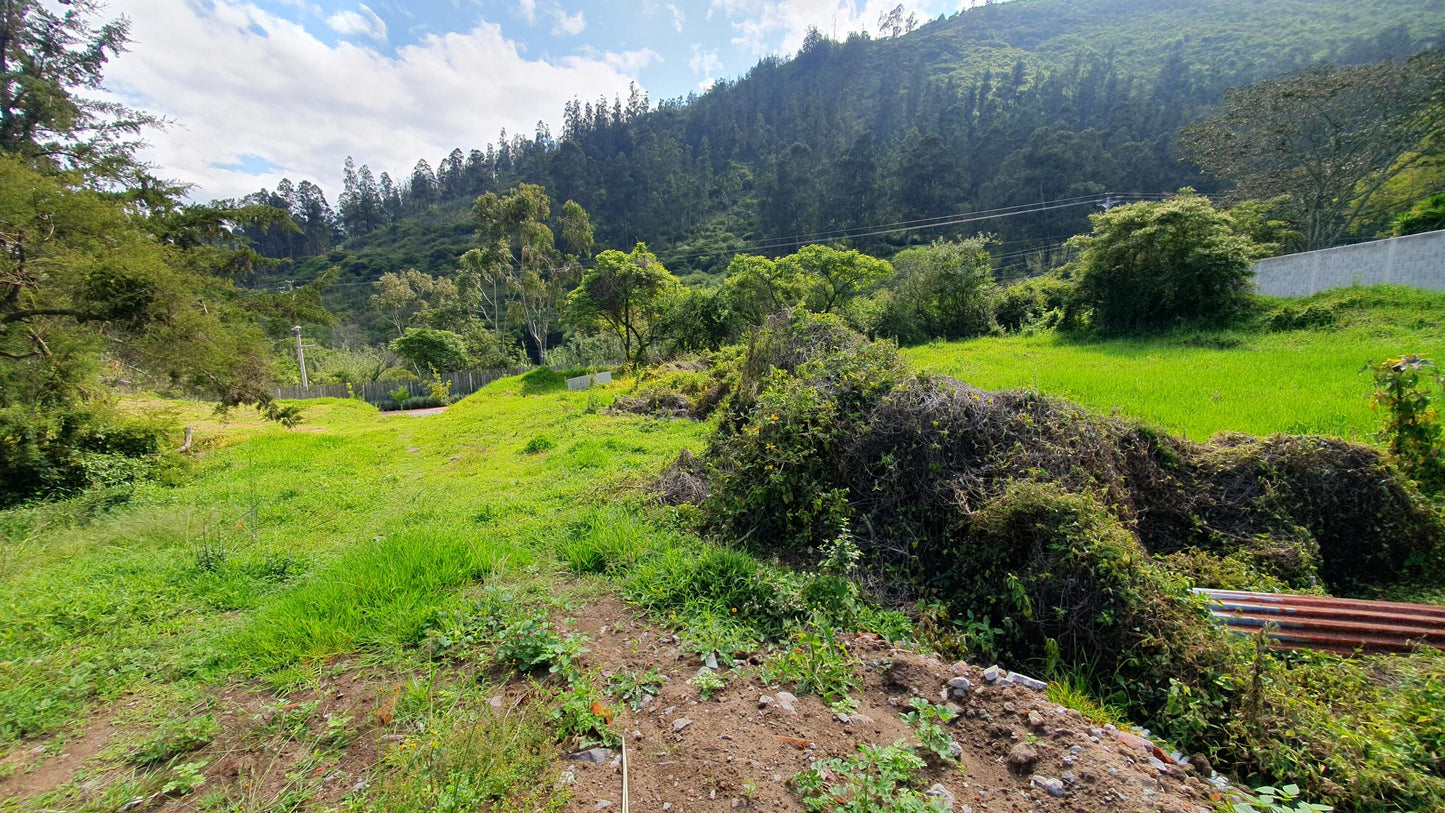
{"x": 1417, "y": 260}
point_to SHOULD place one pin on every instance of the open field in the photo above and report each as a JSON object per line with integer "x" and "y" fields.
{"x": 1311, "y": 381}
{"x": 286, "y": 549}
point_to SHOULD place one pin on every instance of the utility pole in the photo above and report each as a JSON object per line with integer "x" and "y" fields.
{"x": 301, "y": 357}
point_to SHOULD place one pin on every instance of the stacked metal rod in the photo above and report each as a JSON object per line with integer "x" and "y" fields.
{"x": 1328, "y": 624}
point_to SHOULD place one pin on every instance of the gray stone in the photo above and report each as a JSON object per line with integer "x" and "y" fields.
{"x": 1036, "y": 720}
{"x": 680, "y": 723}
{"x": 596, "y": 756}
{"x": 581, "y": 382}
{"x": 954, "y": 749}
{"x": 992, "y": 674}
{"x": 1076, "y": 749}
{"x": 764, "y": 701}
{"x": 602, "y": 804}
{"x": 860, "y": 719}
{"x": 1022, "y": 758}
{"x": 604, "y": 377}
{"x": 788, "y": 702}
{"x": 941, "y": 797}
{"x": 1055, "y": 787}
{"x": 1025, "y": 681}
{"x": 958, "y": 688}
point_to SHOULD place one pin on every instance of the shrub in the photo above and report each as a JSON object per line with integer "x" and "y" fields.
{"x": 806, "y": 382}
{"x": 1151, "y": 265}
{"x": 1030, "y": 301}
{"x": 62, "y": 452}
{"x": 942, "y": 290}
{"x": 1427, "y": 214}
{"x": 1412, "y": 424}
{"x": 427, "y": 348}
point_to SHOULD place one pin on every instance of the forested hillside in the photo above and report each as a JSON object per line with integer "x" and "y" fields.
{"x": 1000, "y": 106}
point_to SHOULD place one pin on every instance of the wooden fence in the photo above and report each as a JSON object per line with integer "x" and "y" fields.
{"x": 464, "y": 383}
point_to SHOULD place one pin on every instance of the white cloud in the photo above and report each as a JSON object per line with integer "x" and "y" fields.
{"x": 270, "y": 89}
{"x": 678, "y": 18}
{"x": 529, "y": 11}
{"x": 704, "y": 62}
{"x": 778, "y": 26}
{"x": 630, "y": 62}
{"x": 569, "y": 24}
{"x": 360, "y": 23}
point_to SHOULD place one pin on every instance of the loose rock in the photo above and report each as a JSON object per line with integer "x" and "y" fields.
{"x": 941, "y": 796}
{"x": 680, "y": 723}
{"x": 596, "y": 756}
{"x": 1055, "y": 787}
{"x": 1022, "y": 758}
{"x": 1025, "y": 681}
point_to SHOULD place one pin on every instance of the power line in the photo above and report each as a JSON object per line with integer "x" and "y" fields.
{"x": 874, "y": 230}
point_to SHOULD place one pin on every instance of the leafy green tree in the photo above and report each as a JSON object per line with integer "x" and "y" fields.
{"x": 758, "y": 287}
{"x": 517, "y": 256}
{"x": 428, "y": 349}
{"x": 833, "y": 276}
{"x": 408, "y": 297}
{"x": 1329, "y": 138}
{"x": 942, "y": 290}
{"x": 626, "y": 293}
{"x": 1150, "y": 265}
{"x": 105, "y": 276}
{"x": 1425, "y": 215}
{"x": 50, "y": 57}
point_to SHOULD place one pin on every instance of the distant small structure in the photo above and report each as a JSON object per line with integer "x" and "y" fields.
{"x": 582, "y": 382}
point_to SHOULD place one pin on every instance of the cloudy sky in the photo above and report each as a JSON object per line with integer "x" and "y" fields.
{"x": 257, "y": 90}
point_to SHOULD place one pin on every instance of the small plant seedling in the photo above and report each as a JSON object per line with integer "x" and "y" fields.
{"x": 817, "y": 664}
{"x": 530, "y": 644}
{"x": 877, "y": 779}
{"x": 633, "y": 686}
{"x": 582, "y": 716}
{"x": 1269, "y": 799}
{"x": 929, "y": 719}
{"x": 708, "y": 683}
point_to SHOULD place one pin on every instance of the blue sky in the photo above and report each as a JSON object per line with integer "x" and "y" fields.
{"x": 261, "y": 89}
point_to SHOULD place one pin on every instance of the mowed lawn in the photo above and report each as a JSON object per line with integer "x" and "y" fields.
{"x": 1314, "y": 381}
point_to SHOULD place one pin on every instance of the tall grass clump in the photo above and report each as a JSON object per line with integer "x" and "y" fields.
{"x": 380, "y": 593}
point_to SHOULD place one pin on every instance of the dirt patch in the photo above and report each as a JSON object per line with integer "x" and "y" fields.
{"x": 741, "y": 749}
{"x": 36, "y": 769}
{"x": 317, "y": 744}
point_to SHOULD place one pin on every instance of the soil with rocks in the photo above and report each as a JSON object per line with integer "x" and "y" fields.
{"x": 741, "y": 749}
{"x": 736, "y": 752}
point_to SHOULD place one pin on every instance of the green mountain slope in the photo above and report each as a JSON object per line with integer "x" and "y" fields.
{"x": 1001, "y": 105}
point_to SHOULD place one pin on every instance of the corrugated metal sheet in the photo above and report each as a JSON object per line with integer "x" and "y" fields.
{"x": 1330, "y": 624}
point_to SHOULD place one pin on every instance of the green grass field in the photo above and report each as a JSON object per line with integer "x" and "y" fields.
{"x": 289, "y": 547}
{"x": 1297, "y": 381}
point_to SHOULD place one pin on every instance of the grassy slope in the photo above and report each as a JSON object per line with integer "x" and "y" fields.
{"x": 1300, "y": 381}
{"x": 291, "y": 546}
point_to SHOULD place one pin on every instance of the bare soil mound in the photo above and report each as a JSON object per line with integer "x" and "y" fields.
{"x": 741, "y": 749}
